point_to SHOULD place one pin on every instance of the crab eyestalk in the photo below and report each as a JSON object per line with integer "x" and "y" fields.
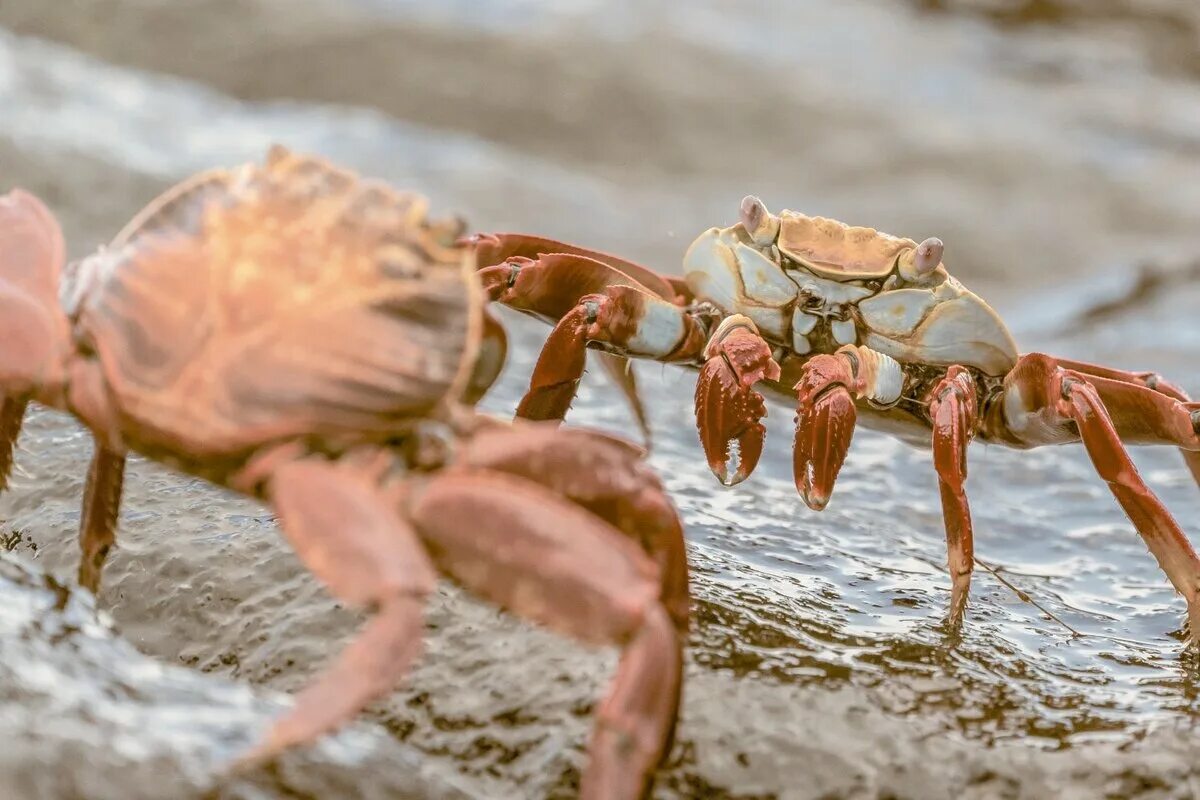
{"x": 761, "y": 225}
{"x": 921, "y": 261}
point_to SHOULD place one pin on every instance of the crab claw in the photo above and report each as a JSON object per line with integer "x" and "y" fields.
{"x": 825, "y": 417}
{"x": 728, "y": 409}
{"x": 727, "y": 415}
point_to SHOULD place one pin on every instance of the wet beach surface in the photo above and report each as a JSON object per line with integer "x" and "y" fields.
{"x": 1054, "y": 158}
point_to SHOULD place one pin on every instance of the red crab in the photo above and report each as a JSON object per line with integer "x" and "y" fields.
{"x": 306, "y": 337}
{"x": 843, "y": 321}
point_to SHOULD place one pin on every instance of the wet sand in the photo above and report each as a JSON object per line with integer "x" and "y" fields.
{"x": 820, "y": 666}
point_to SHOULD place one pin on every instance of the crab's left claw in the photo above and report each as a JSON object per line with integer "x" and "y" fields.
{"x": 825, "y": 417}
{"x": 728, "y": 409}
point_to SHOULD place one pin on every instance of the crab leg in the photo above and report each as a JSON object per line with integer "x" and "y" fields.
{"x": 728, "y": 409}
{"x": 593, "y": 303}
{"x": 1041, "y": 403}
{"x": 1144, "y": 417}
{"x": 12, "y": 414}
{"x": 350, "y": 535}
{"x": 33, "y": 331}
{"x": 101, "y": 508}
{"x": 551, "y": 280}
{"x": 605, "y": 475}
{"x": 493, "y": 249}
{"x": 571, "y": 571}
{"x": 952, "y": 409}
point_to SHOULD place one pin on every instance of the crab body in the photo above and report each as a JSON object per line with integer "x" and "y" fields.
{"x": 805, "y": 297}
{"x": 843, "y": 321}
{"x": 215, "y": 336}
{"x": 312, "y": 339}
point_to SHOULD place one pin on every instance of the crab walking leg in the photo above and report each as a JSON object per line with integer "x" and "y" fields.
{"x": 627, "y": 320}
{"x": 728, "y": 410}
{"x": 493, "y": 249}
{"x": 1147, "y": 408}
{"x": 12, "y": 414}
{"x": 571, "y": 571}
{"x": 350, "y": 534}
{"x": 34, "y": 336}
{"x": 593, "y": 298}
{"x": 952, "y": 409}
{"x": 1039, "y": 398}
{"x": 608, "y": 477}
{"x": 825, "y": 413}
{"x": 620, "y": 370}
{"x": 101, "y": 508}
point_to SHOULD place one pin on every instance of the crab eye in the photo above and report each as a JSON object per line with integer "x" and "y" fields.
{"x": 760, "y": 225}
{"x": 928, "y": 256}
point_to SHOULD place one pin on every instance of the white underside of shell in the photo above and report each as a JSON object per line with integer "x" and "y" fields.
{"x": 843, "y": 331}
{"x": 658, "y": 331}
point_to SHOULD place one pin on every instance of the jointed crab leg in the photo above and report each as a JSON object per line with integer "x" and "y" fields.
{"x": 101, "y": 508}
{"x": 1142, "y": 409}
{"x": 953, "y": 405}
{"x": 592, "y": 302}
{"x": 607, "y": 477}
{"x": 12, "y": 414}
{"x": 350, "y": 535}
{"x": 573, "y": 531}
{"x": 1041, "y": 399}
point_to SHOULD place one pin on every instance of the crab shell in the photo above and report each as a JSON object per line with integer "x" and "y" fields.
{"x": 806, "y": 273}
{"x": 217, "y": 335}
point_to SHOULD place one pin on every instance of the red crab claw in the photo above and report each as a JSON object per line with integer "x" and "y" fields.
{"x": 728, "y": 409}
{"x": 825, "y": 417}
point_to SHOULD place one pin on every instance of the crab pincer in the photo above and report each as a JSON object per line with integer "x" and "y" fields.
{"x": 825, "y": 418}
{"x": 728, "y": 409}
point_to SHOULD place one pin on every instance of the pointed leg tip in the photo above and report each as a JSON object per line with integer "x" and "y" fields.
{"x": 814, "y": 498}
{"x": 958, "y": 604}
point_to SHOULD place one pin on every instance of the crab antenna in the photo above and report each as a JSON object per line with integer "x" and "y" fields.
{"x": 761, "y": 226}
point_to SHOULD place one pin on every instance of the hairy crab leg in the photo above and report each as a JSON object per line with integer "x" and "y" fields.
{"x": 728, "y": 410}
{"x": 101, "y": 508}
{"x": 1124, "y": 394}
{"x": 566, "y": 568}
{"x": 953, "y": 407}
{"x": 1041, "y": 403}
{"x": 352, "y": 537}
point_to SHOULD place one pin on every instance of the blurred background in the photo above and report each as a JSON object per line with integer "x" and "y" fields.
{"x": 1054, "y": 145}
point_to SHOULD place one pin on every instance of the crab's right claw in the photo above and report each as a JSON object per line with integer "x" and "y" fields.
{"x": 825, "y": 417}
{"x": 727, "y": 415}
{"x": 728, "y": 409}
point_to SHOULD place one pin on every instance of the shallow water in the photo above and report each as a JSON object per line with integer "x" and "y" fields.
{"x": 820, "y": 664}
